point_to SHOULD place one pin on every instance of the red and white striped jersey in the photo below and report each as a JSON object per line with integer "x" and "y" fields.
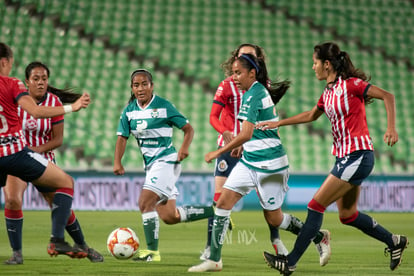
{"x": 39, "y": 131}
{"x": 11, "y": 135}
{"x": 344, "y": 106}
{"x": 224, "y": 116}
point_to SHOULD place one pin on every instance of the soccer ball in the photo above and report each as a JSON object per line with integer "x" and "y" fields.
{"x": 122, "y": 243}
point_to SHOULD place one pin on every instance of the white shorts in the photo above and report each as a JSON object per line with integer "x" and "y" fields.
{"x": 271, "y": 188}
{"x": 161, "y": 178}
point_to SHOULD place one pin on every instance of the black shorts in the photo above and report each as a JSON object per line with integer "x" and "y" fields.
{"x": 225, "y": 164}
{"x": 354, "y": 167}
{"x": 25, "y": 164}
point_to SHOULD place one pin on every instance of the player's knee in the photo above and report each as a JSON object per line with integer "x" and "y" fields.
{"x": 316, "y": 206}
{"x": 169, "y": 218}
{"x": 13, "y": 203}
{"x": 348, "y": 219}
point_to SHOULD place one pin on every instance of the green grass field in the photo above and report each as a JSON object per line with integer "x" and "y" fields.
{"x": 353, "y": 253}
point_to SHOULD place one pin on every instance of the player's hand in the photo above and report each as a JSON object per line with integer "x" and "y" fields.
{"x": 182, "y": 154}
{"x": 82, "y": 102}
{"x": 237, "y": 152}
{"x": 227, "y": 136}
{"x": 119, "y": 170}
{"x": 391, "y": 137}
{"x": 267, "y": 125}
{"x": 210, "y": 156}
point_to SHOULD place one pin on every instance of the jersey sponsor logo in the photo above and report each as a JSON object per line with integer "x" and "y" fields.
{"x": 9, "y": 140}
{"x": 141, "y": 126}
{"x": 222, "y": 166}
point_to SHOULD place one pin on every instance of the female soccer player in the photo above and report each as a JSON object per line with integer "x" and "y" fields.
{"x": 151, "y": 120}
{"x": 223, "y": 117}
{"x": 18, "y": 160}
{"x": 42, "y": 135}
{"x": 264, "y": 163}
{"x": 343, "y": 101}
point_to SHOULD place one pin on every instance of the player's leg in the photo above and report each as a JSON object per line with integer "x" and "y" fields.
{"x": 349, "y": 215}
{"x": 221, "y": 222}
{"x": 170, "y": 214}
{"x": 13, "y": 196}
{"x": 55, "y": 178}
{"x": 293, "y": 224}
{"x": 332, "y": 189}
{"x": 239, "y": 183}
{"x": 147, "y": 203}
{"x": 73, "y": 228}
{"x": 33, "y": 167}
{"x": 223, "y": 167}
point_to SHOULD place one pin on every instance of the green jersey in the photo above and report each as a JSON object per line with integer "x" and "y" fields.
{"x": 264, "y": 151}
{"x": 152, "y": 127}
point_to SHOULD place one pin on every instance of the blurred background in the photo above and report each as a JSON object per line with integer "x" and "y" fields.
{"x": 94, "y": 45}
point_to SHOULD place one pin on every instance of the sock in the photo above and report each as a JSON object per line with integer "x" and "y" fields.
{"x": 14, "y": 227}
{"x": 216, "y": 198}
{"x": 220, "y": 225}
{"x": 274, "y": 232}
{"x": 308, "y": 232}
{"x": 210, "y": 220}
{"x": 370, "y": 227}
{"x": 209, "y": 230}
{"x": 293, "y": 224}
{"x": 151, "y": 229}
{"x": 74, "y": 229}
{"x": 193, "y": 213}
{"x": 62, "y": 203}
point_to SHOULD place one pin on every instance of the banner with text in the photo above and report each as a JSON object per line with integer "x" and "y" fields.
{"x": 103, "y": 191}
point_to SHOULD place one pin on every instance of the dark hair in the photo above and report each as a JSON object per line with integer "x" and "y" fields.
{"x": 260, "y": 54}
{"x": 276, "y": 89}
{"x": 65, "y": 95}
{"x": 341, "y": 63}
{"x": 5, "y": 51}
{"x": 133, "y": 74}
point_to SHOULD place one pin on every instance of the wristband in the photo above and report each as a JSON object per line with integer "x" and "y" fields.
{"x": 67, "y": 108}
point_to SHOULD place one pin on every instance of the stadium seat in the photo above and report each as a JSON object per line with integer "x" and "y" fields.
{"x": 196, "y": 42}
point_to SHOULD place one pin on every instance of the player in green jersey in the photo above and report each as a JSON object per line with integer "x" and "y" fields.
{"x": 150, "y": 119}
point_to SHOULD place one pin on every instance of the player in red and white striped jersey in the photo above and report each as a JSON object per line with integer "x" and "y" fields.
{"x": 18, "y": 160}
{"x": 42, "y": 135}
{"x": 343, "y": 101}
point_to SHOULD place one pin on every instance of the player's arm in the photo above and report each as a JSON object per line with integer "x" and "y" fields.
{"x": 56, "y": 140}
{"x": 120, "y": 146}
{"x": 245, "y": 135}
{"x": 304, "y": 117}
{"x": 27, "y": 103}
{"x": 391, "y": 135}
{"x": 188, "y": 138}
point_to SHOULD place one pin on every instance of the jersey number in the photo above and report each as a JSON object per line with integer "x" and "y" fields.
{"x": 3, "y": 121}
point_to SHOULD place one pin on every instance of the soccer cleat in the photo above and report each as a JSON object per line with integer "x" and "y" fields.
{"x": 205, "y": 254}
{"x": 401, "y": 243}
{"x": 15, "y": 259}
{"x": 148, "y": 256}
{"x": 93, "y": 255}
{"x": 280, "y": 248}
{"x": 207, "y": 265}
{"x": 63, "y": 248}
{"x": 324, "y": 248}
{"x": 278, "y": 262}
